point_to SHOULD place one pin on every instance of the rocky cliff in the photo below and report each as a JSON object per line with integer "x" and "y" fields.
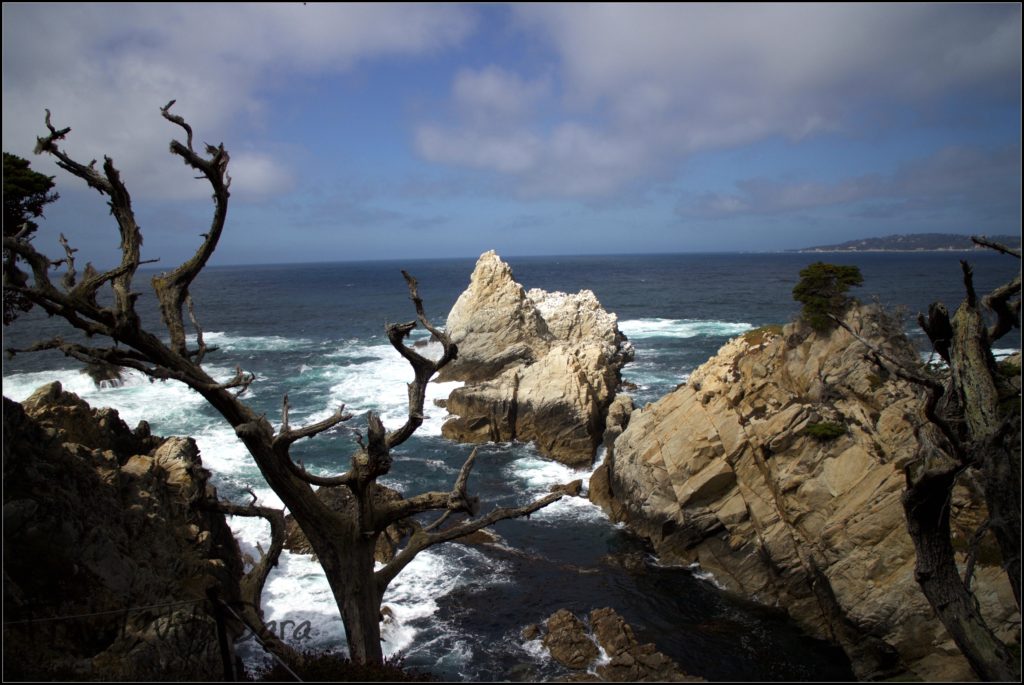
{"x": 778, "y": 468}
{"x": 109, "y": 548}
{"x": 537, "y": 366}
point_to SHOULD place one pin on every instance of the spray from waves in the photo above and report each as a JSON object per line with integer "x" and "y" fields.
{"x": 375, "y": 378}
{"x": 640, "y": 329}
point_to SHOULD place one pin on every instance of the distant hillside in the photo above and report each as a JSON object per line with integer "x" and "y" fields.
{"x": 912, "y": 243}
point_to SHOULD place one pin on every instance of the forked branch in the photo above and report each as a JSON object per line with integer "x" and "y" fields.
{"x": 423, "y": 367}
{"x": 422, "y": 539}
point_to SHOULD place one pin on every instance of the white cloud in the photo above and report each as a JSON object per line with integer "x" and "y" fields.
{"x": 496, "y": 92}
{"x": 642, "y": 86}
{"x": 982, "y": 182}
{"x": 105, "y": 70}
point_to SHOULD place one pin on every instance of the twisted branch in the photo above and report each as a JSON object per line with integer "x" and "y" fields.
{"x": 423, "y": 368}
{"x": 422, "y": 539}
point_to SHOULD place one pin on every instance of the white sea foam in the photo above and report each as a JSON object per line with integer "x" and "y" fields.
{"x": 237, "y": 343}
{"x": 378, "y": 381}
{"x": 706, "y": 576}
{"x": 638, "y": 329}
{"x": 538, "y": 474}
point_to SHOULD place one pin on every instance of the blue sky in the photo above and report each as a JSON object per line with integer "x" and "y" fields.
{"x": 426, "y": 130}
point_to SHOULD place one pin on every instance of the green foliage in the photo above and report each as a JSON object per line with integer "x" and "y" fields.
{"x": 824, "y": 431}
{"x": 822, "y": 291}
{"x": 26, "y": 193}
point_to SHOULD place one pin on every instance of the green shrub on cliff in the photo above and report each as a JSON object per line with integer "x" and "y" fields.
{"x": 824, "y": 431}
{"x": 822, "y": 291}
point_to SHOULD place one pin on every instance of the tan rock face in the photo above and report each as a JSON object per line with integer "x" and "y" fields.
{"x": 98, "y": 518}
{"x": 722, "y": 472}
{"x": 538, "y": 366}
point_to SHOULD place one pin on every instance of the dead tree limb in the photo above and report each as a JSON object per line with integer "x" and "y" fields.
{"x": 344, "y": 541}
{"x": 968, "y": 427}
{"x": 252, "y": 583}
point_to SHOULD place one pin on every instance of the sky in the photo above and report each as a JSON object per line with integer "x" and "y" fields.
{"x": 377, "y": 131}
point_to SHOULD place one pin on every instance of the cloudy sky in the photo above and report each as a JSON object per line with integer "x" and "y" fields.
{"x": 421, "y": 130}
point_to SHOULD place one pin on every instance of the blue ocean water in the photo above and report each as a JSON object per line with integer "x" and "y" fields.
{"x": 316, "y": 332}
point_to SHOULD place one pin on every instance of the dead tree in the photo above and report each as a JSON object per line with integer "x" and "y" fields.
{"x": 974, "y": 422}
{"x": 344, "y": 541}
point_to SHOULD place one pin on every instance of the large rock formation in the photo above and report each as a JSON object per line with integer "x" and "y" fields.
{"x": 778, "y": 468}
{"x": 537, "y": 366}
{"x": 109, "y": 548}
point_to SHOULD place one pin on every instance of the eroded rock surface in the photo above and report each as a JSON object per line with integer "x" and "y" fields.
{"x": 726, "y": 471}
{"x": 537, "y": 366}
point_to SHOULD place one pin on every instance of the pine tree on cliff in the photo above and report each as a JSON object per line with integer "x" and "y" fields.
{"x": 822, "y": 291}
{"x": 343, "y": 540}
{"x": 974, "y": 416}
{"x": 26, "y": 194}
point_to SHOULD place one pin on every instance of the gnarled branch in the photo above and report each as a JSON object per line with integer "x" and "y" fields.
{"x": 423, "y": 368}
{"x": 458, "y": 500}
{"x": 422, "y": 539}
{"x": 172, "y": 287}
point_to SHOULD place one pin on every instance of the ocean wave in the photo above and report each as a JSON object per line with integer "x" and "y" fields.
{"x": 639, "y": 329}
{"x": 253, "y": 343}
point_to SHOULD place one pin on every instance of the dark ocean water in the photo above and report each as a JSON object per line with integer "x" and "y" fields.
{"x": 316, "y": 332}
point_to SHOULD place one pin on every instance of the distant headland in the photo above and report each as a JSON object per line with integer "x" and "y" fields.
{"x": 913, "y": 242}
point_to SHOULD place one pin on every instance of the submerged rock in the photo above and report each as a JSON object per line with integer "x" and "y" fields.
{"x": 537, "y": 366}
{"x": 109, "y": 548}
{"x": 778, "y": 468}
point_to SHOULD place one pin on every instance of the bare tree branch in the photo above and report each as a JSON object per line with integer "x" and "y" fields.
{"x": 421, "y": 540}
{"x": 252, "y": 583}
{"x": 1007, "y": 313}
{"x": 172, "y": 287}
{"x": 458, "y": 500}
{"x": 282, "y": 442}
{"x": 985, "y": 242}
{"x": 68, "y": 281}
{"x": 174, "y": 118}
{"x": 423, "y": 368}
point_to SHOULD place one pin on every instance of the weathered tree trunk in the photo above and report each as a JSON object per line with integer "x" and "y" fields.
{"x": 1001, "y": 469}
{"x": 969, "y": 427}
{"x": 926, "y": 504}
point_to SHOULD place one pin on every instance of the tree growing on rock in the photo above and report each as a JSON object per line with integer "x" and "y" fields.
{"x": 974, "y": 425}
{"x": 822, "y": 291}
{"x": 344, "y": 539}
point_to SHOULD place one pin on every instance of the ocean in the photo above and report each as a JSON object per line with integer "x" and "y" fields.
{"x": 316, "y": 332}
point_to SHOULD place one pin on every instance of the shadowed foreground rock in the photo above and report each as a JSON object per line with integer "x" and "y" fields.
{"x": 537, "y": 366}
{"x": 779, "y": 468}
{"x": 98, "y": 519}
{"x": 579, "y": 647}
